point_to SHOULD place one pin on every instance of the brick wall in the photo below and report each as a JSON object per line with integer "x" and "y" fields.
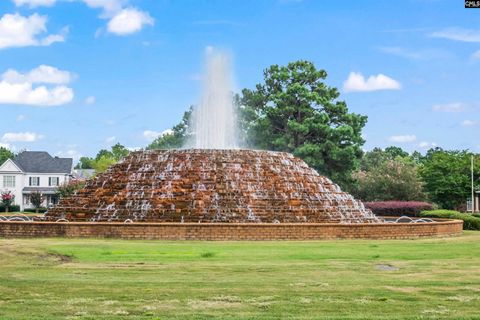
{"x": 230, "y": 231}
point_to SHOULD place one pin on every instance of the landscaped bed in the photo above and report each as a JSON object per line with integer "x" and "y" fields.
{"x": 114, "y": 279}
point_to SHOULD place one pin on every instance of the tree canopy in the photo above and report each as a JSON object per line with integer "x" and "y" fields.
{"x": 177, "y": 138}
{"x": 447, "y": 176}
{"x": 390, "y": 174}
{"x": 295, "y": 111}
{"x": 5, "y": 154}
{"x": 103, "y": 159}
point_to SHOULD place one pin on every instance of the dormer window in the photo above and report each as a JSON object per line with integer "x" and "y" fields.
{"x": 53, "y": 181}
{"x": 34, "y": 181}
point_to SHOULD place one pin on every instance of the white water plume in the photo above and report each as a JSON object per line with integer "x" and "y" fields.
{"x": 214, "y": 121}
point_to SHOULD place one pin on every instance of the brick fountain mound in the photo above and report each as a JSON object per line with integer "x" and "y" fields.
{"x": 201, "y": 185}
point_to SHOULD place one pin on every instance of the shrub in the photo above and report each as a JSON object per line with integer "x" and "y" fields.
{"x": 12, "y": 208}
{"x": 40, "y": 210}
{"x": 470, "y": 222}
{"x": 398, "y": 208}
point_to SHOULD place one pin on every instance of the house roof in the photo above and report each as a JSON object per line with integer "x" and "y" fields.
{"x": 42, "y": 162}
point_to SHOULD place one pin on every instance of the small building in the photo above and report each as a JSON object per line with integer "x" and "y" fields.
{"x": 34, "y": 171}
{"x": 83, "y": 174}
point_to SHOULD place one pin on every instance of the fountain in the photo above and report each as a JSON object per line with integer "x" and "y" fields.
{"x": 214, "y": 190}
{"x": 214, "y": 181}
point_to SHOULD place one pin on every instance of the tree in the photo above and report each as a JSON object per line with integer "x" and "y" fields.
{"x": 103, "y": 159}
{"x": 295, "y": 111}
{"x": 69, "y": 188}
{"x": 177, "y": 138}
{"x": 447, "y": 176}
{"x": 119, "y": 152}
{"x": 85, "y": 163}
{"x": 7, "y": 199}
{"x": 389, "y": 179}
{"x": 36, "y": 198}
{"x": 5, "y": 154}
{"x": 103, "y": 163}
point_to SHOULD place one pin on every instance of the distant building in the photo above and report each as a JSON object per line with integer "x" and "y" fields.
{"x": 83, "y": 174}
{"x": 32, "y": 171}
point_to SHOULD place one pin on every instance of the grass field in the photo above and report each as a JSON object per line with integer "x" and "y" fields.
{"x": 116, "y": 279}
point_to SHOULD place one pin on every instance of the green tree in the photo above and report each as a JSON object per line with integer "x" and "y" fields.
{"x": 103, "y": 163}
{"x": 447, "y": 176}
{"x": 179, "y": 136}
{"x": 36, "y": 198}
{"x": 103, "y": 153}
{"x": 5, "y": 154}
{"x": 388, "y": 179}
{"x": 69, "y": 188}
{"x": 295, "y": 111}
{"x": 85, "y": 163}
{"x": 119, "y": 152}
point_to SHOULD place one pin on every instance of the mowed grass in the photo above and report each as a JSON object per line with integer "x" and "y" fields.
{"x": 117, "y": 279}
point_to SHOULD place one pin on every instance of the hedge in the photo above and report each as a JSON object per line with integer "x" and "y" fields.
{"x": 40, "y": 210}
{"x": 12, "y": 208}
{"x": 398, "y": 208}
{"x": 470, "y": 222}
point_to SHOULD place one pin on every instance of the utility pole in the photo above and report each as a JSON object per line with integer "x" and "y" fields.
{"x": 473, "y": 192}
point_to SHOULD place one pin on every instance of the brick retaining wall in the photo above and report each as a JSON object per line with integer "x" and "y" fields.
{"x": 230, "y": 231}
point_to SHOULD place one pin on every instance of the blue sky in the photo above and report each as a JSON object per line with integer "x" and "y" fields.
{"x": 80, "y": 75}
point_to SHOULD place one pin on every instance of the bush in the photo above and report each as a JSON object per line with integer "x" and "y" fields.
{"x": 40, "y": 210}
{"x": 12, "y": 208}
{"x": 398, "y": 208}
{"x": 470, "y": 222}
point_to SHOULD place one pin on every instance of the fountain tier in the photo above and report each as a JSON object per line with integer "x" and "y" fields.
{"x": 198, "y": 185}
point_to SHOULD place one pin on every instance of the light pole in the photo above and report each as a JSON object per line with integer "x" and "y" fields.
{"x": 473, "y": 192}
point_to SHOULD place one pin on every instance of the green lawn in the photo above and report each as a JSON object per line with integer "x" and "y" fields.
{"x": 117, "y": 279}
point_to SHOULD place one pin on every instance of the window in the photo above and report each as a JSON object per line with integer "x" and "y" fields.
{"x": 53, "y": 181}
{"x": 34, "y": 181}
{"x": 9, "y": 181}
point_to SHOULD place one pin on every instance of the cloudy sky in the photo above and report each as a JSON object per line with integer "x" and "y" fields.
{"x": 80, "y": 75}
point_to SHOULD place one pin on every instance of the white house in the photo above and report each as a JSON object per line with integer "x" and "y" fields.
{"x": 32, "y": 171}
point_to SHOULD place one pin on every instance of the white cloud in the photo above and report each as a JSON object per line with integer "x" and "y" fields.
{"x": 403, "y": 138}
{"x": 108, "y": 6}
{"x": 450, "y": 107}
{"x": 128, "y": 21}
{"x": 90, "y": 100}
{"x": 401, "y": 52}
{"x": 356, "y": 82}
{"x": 476, "y": 55}
{"x": 417, "y": 54}
{"x": 110, "y": 139}
{"x": 21, "y": 137}
{"x": 427, "y": 145}
{"x": 21, "y": 117}
{"x": 18, "y": 88}
{"x": 70, "y": 153}
{"x": 5, "y": 145}
{"x": 34, "y": 3}
{"x": 151, "y": 135}
{"x": 20, "y": 31}
{"x": 41, "y": 74}
{"x": 469, "y": 123}
{"x": 458, "y": 34}
{"x": 123, "y": 19}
